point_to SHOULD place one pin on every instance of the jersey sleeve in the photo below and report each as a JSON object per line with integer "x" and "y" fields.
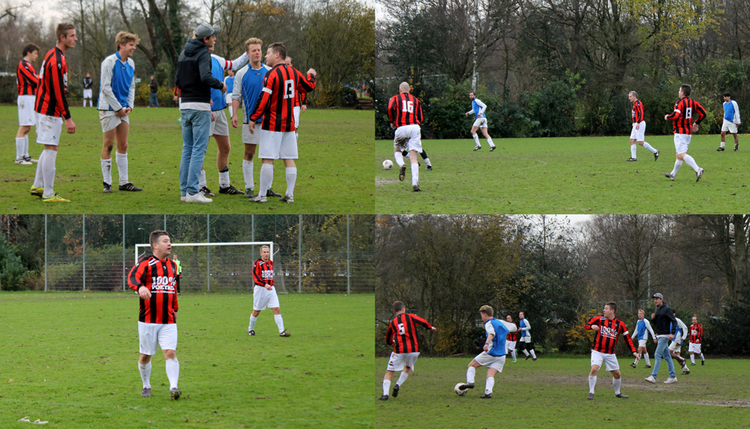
{"x": 265, "y": 96}
{"x": 490, "y": 330}
{"x": 736, "y": 113}
{"x": 106, "y": 86}
{"x": 677, "y": 112}
{"x": 304, "y": 84}
{"x": 420, "y": 321}
{"x": 510, "y": 326}
{"x": 392, "y": 106}
{"x": 596, "y": 320}
{"x": 237, "y": 87}
{"x": 258, "y": 274}
{"x": 131, "y": 90}
{"x": 482, "y": 107}
{"x": 628, "y": 340}
{"x": 701, "y": 112}
{"x": 420, "y": 116}
{"x": 648, "y": 327}
{"x": 527, "y": 325}
{"x": 137, "y": 275}
{"x": 60, "y": 88}
{"x": 391, "y": 334}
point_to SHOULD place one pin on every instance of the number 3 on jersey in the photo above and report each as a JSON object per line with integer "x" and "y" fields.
{"x": 407, "y": 106}
{"x": 288, "y": 89}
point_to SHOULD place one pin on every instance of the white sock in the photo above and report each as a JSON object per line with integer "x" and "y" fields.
{"x": 291, "y": 180}
{"x": 513, "y": 354}
{"x": 476, "y": 139}
{"x": 677, "y": 165}
{"x": 173, "y": 372}
{"x": 20, "y": 141}
{"x": 122, "y": 167}
{"x": 415, "y": 174}
{"x": 402, "y": 378}
{"x": 38, "y": 177}
{"x": 247, "y": 171}
{"x": 692, "y": 359}
{"x": 722, "y": 144}
{"x": 386, "y": 386}
{"x": 617, "y": 382}
{"x": 26, "y": 145}
{"x": 489, "y": 140}
{"x": 399, "y": 159}
{"x": 253, "y": 319}
{"x": 533, "y": 355}
{"x": 592, "y": 383}
{"x": 702, "y": 358}
{"x": 279, "y": 322}
{"x": 525, "y": 352}
{"x": 202, "y": 181}
{"x": 649, "y": 147}
{"x": 145, "y": 374}
{"x": 266, "y": 177}
{"x": 48, "y": 172}
{"x": 470, "y": 375}
{"x": 106, "y": 170}
{"x": 489, "y": 384}
{"x": 230, "y": 112}
{"x": 689, "y": 160}
{"x": 648, "y": 361}
{"x": 427, "y": 162}
{"x": 633, "y": 148}
{"x": 224, "y": 178}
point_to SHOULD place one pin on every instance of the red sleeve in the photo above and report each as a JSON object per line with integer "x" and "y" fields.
{"x": 639, "y": 111}
{"x": 258, "y": 274}
{"x": 28, "y": 75}
{"x": 391, "y": 109}
{"x": 58, "y": 80}
{"x": 174, "y": 272}
{"x": 135, "y": 278}
{"x": 596, "y": 320}
{"x": 701, "y": 112}
{"x": 420, "y": 321}
{"x": 674, "y": 115}
{"x": 420, "y": 116}
{"x": 389, "y": 337}
{"x": 305, "y": 84}
{"x": 628, "y": 340}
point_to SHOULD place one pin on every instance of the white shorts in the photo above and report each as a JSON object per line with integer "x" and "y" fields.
{"x": 296, "y": 111}
{"x": 87, "y": 93}
{"x": 110, "y": 120}
{"x": 494, "y": 362}
{"x": 729, "y": 126}
{"x": 264, "y": 298}
{"x": 278, "y": 145}
{"x": 609, "y": 359}
{"x": 48, "y": 130}
{"x": 638, "y": 135}
{"x": 511, "y": 345}
{"x": 153, "y": 335}
{"x": 641, "y": 343}
{"x": 228, "y": 98}
{"x": 408, "y": 137}
{"x": 398, "y": 361}
{"x": 674, "y": 346}
{"x": 219, "y": 126}
{"x": 526, "y": 339}
{"x": 681, "y": 142}
{"x": 480, "y": 123}
{"x": 251, "y": 138}
{"x": 26, "y": 113}
{"x": 694, "y": 348}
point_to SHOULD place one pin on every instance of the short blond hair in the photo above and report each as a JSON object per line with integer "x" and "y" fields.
{"x": 486, "y": 309}
{"x": 124, "y": 37}
{"x": 253, "y": 41}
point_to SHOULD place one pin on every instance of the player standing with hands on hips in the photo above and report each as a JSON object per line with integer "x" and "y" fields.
{"x": 264, "y": 295}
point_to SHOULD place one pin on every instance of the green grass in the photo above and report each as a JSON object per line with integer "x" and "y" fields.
{"x": 335, "y": 150}
{"x": 586, "y": 175}
{"x": 551, "y": 393}
{"x": 71, "y": 359}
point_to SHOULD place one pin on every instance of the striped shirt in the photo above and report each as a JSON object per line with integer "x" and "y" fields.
{"x": 696, "y": 333}
{"x": 53, "y": 82}
{"x": 159, "y": 276}
{"x": 402, "y": 333}
{"x": 637, "y": 112}
{"x": 685, "y": 109}
{"x": 280, "y": 87}
{"x": 263, "y": 272}
{"x": 404, "y": 109}
{"x": 26, "y": 78}
{"x": 513, "y": 336}
{"x": 606, "y": 337}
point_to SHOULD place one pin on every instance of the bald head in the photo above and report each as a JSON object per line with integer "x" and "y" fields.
{"x": 404, "y": 88}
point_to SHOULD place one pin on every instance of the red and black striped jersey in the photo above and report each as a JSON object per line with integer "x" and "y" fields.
{"x": 276, "y": 104}
{"x": 512, "y": 336}
{"x": 26, "y": 78}
{"x": 606, "y": 337}
{"x": 404, "y": 109}
{"x": 685, "y": 109}
{"x": 263, "y": 272}
{"x": 159, "y": 276}
{"x": 176, "y": 91}
{"x": 637, "y": 112}
{"x": 53, "y": 82}
{"x": 402, "y": 333}
{"x": 696, "y": 333}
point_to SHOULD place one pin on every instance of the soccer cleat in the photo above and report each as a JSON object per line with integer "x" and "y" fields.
{"x": 493, "y": 148}
{"x": 651, "y": 379}
{"x": 648, "y": 366}
{"x": 54, "y": 199}
{"x": 486, "y": 396}
{"x": 129, "y": 187}
{"x": 22, "y": 162}
{"x": 692, "y": 364}
{"x": 631, "y": 159}
{"x": 251, "y": 333}
{"x": 528, "y": 357}
{"x": 476, "y": 148}
{"x": 146, "y": 393}
{"x": 736, "y": 147}
{"x": 230, "y": 190}
{"x": 249, "y": 192}
{"x": 271, "y": 193}
{"x": 107, "y": 188}
{"x": 429, "y": 168}
{"x": 197, "y": 198}
{"x": 175, "y": 394}
{"x": 669, "y": 176}
{"x": 395, "y": 390}
{"x": 259, "y": 199}
{"x": 287, "y": 334}
{"x": 533, "y": 359}
{"x": 30, "y": 159}
{"x": 671, "y": 380}
{"x": 720, "y": 149}
{"x": 466, "y": 386}
{"x": 290, "y": 199}
{"x": 703, "y": 362}
{"x": 698, "y": 175}
{"x": 416, "y": 188}
{"x": 685, "y": 371}
{"x": 37, "y": 192}
{"x": 514, "y": 361}
{"x": 656, "y": 155}
{"x": 402, "y": 173}
{"x": 591, "y": 396}
{"x": 383, "y": 398}
{"x": 207, "y": 192}
{"x": 633, "y": 364}
{"x": 620, "y": 395}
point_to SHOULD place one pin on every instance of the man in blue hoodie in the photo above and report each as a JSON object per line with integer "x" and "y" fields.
{"x": 194, "y": 79}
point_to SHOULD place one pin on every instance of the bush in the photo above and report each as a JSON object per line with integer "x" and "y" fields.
{"x": 12, "y": 270}
{"x": 165, "y": 95}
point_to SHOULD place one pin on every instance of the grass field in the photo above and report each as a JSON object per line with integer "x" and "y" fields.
{"x": 71, "y": 359}
{"x": 551, "y": 393}
{"x": 586, "y": 175}
{"x": 334, "y": 173}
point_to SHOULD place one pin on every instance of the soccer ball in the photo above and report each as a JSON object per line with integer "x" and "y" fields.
{"x": 387, "y": 164}
{"x": 458, "y": 391}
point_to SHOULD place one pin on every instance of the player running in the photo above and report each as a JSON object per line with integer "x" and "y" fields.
{"x": 511, "y": 339}
{"x": 696, "y": 339}
{"x": 405, "y": 115}
{"x": 731, "y": 122}
{"x": 676, "y": 344}
{"x": 264, "y": 294}
{"x": 27, "y": 81}
{"x": 524, "y": 343}
{"x": 639, "y": 128}
{"x": 608, "y": 328}
{"x": 478, "y": 109}
{"x": 642, "y": 330}
{"x": 683, "y": 126}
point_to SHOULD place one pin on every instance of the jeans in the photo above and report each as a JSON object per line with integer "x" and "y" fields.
{"x": 153, "y": 100}
{"x": 196, "y": 125}
{"x": 663, "y": 349}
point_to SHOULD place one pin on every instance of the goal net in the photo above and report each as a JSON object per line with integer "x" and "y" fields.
{"x": 219, "y": 267}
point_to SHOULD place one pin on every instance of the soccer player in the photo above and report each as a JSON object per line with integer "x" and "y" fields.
{"x": 608, "y": 328}
{"x": 154, "y": 86}
{"x": 229, "y": 82}
{"x": 178, "y": 266}
{"x": 27, "y": 82}
{"x": 300, "y": 103}
{"x": 153, "y": 278}
{"x": 639, "y": 128}
{"x": 405, "y": 115}
{"x": 642, "y": 330}
{"x": 276, "y": 105}
{"x": 696, "y": 339}
{"x": 525, "y": 344}
{"x": 685, "y": 109}
{"x": 194, "y": 79}
{"x": 88, "y": 91}
{"x": 731, "y": 121}
{"x": 478, "y": 108}
{"x": 264, "y": 294}
{"x": 512, "y": 338}
{"x": 116, "y": 101}
{"x": 402, "y": 335}
{"x": 665, "y": 327}
{"x": 52, "y": 107}
{"x": 493, "y": 356}
{"x": 676, "y": 344}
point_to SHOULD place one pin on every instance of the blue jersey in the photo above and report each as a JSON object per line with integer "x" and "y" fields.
{"x": 498, "y": 341}
{"x": 523, "y": 324}
{"x": 117, "y": 88}
{"x": 478, "y": 107}
{"x": 729, "y": 111}
{"x": 230, "y": 84}
{"x": 641, "y": 329}
{"x": 219, "y": 101}
{"x": 252, "y": 87}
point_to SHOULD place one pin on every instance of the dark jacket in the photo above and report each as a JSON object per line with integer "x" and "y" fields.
{"x": 194, "y": 77}
{"x": 663, "y": 316}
